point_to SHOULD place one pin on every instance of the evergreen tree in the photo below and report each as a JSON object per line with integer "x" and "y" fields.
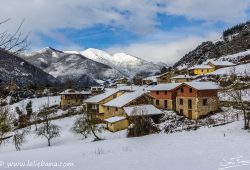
{"x": 29, "y": 108}
{"x": 18, "y": 111}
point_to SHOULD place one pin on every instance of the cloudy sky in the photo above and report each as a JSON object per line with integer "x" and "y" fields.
{"x": 155, "y": 30}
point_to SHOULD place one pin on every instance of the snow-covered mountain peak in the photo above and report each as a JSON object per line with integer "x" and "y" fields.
{"x": 95, "y": 63}
{"x": 127, "y": 64}
{"x": 95, "y": 54}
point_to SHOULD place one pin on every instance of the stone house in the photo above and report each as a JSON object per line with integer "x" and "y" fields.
{"x": 152, "y": 80}
{"x": 70, "y": 98}
{"x": 181, "y": 78}
{"x": 197, "y": 99}
{"x": 122, "y": 81}
{"x": 220, "y": 64}
{"x": 164, "y": 78}
{"x": 94, "y": 105}
{"x": 96, "y": 90}
{"x": 200, "y": 69}
{"x": 164, "y": 95}
{"x": 117, "y": 123}
{"x": 115, "y": 107}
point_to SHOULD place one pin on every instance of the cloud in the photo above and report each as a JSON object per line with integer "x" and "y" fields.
{"x": 167, "y": 52}
{"x": 231, "y": 11}
{"x": 139, "y": 17}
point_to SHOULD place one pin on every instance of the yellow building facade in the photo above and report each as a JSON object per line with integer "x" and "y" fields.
{"x": 116, "y": 123}
{"x": 200, "y": 70}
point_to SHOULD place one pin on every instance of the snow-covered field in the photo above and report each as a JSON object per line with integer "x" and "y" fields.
{"x": 240, "y": 70}
{"x": 37, "y": 103}
{"x": 216, "y": 148}
{"x": 204, "y": 149}
{"x": 235, "y": 56}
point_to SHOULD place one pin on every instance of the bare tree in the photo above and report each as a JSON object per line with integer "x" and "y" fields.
{"x": 236, "y": 92}
{"x": 84, "y": 125}
{"x": 19, "y": 138}
{"x": 5, "y": 123}
{"x": 15, "y": 42}
{"x": 47, "y": 129}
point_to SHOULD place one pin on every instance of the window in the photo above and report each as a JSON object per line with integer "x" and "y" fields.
{"x": 190, "y": 90}
{"x": 181, "y": 102}
{"x": 204, "y": 102}
{"x": 157, "y": 92}
{"x": 163, "y": 78}
{"x": 116, "y": 109}
{"x": 166, "y": 92}
{"x": 107, "y": 108}
{"x": 157, "y": 102}
{"x": 181, "y": 111}
{"x": 76, "y": 100}
{"x": 182, "y": 90}
{"x": 207, "y": 70}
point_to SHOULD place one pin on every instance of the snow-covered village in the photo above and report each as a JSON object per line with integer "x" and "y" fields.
{"x": 125, "y": 85}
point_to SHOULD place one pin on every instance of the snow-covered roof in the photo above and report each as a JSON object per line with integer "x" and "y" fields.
{"x": 202, "y": 66}
{"x": 115, "y": 119}
{"x": 125, "y": 99}
{"x": 97, "y": 87}
{"x": 164, "y": 87}
{"x": 222, "y": 63}
{"x": 86, "y": 92}
{"x": 102, "y": 96}
{"x": 148, "y": 88}
{"x": 72, "y": 91}
{"x": 202, "y": 85}
{"x": 181, "y": 77}
{"x": 151, "y": 78}
{"x": 142, "y": 110}
{"x": 131, "y": 87}
{"x": 157, "y": 76}
{"x": 100, "y": 81}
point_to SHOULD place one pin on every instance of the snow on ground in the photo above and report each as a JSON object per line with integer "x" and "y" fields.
{"x": 37, "y": 103}
{"x": 240, "y": 70}
{"x": 204, "y": 149}
{"x": 235, "y": 56}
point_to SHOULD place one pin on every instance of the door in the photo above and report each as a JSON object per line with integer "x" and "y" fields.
{"x": 165, "y": 103}
{"x": 174, "y": 104}
{"x": 190, "y": 114}
{"x": 189, "y": 103}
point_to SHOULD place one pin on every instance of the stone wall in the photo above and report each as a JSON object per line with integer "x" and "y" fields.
{"x": 198, "y": 109}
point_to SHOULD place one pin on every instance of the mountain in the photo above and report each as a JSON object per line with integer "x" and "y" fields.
{"x": 13, "y": 68}
{"x": 71, "y": 66}
{"x": 86, "y": 67}
{"x": 234, "y": 42}
{"x": 127, "y": 64}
